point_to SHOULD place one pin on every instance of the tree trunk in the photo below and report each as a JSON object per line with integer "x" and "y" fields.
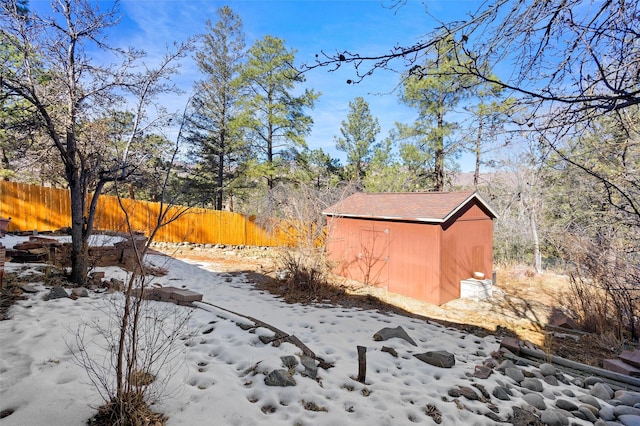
{"x": 476, "y": 174}
{"x": 79, "y": 261}
{"x": 220, "y": 170}
{"x": 439, "y": 156}
{"x": 536, "y": 242}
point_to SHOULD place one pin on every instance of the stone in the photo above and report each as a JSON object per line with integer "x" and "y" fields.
{"x": 289, "y": 361}
{"x": 590, "y": 400}
{"x": 468, "y": 393}
{"x": 588, "y": 414}
{"x": 591, "y": 408}
{"x": 482, "y": 372}
{"x": 628, "y": 397}
{"x": 621, "y": 367}
{"x": 389, "y": 333}
{"x": 569, "y": 393}
{"x": 507, "y": 363}
{"x": 532, "y": 384}
{"x": 547, "y": 369}
{"x": 515, "y": 374}
{"x": 549, "y": 394}
{"x": 522, "y": 417}
{"x": 58, "y": 293}
{"x": 631, "y": 357}
{"x": 551, "y": 380}
{"x": 511, "y": 343}
{"x": 389, "y": 350}
{"x": 535, "y": 400}
{"x": 27, "y": 288}
{"x": 606, "y": 413}
{"x": 566, "y": 405}
{"x": 602, "y": 391}
{"x": 590, "y": 381}
{"x": 502, "y": 393}
{"x": 80, "y": 292}
{"x": 279, "y": 378}
{"x": 554, "y": 418}
{"x": 629, "y": 420}
{"x": 310, "y": 366}
{"x": 441, "y": 359}
{"x": 622, "y": 410}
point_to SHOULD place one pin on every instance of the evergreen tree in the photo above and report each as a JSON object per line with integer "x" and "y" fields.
{"x": 215, "y": 133}
{"x": 434, "y": 90}
{"x": 358, "y": 138}
{"x": 274, "y": 118}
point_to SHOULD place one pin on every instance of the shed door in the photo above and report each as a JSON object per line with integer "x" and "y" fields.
{"x": 373, "y": 257}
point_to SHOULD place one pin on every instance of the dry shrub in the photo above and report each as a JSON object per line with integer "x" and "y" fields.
{"x": 605, "y": 286}
{"x": 307, "y": 270}
{"x": 129, "y": 410}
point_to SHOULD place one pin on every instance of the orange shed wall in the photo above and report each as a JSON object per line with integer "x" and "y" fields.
{"x": 467, "y": 247}
{"x": 348, "y": 252}
{"x": 424, "y": 261}
{"x": 413, "y": 255}
{"x": 414, "y": 260}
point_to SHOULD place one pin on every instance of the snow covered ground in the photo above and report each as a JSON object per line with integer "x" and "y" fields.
{"x": 219, "y": 376}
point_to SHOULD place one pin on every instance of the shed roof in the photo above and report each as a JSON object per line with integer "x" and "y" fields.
{"x": 433, "y": 207}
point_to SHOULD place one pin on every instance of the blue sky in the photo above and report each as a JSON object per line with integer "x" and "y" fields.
{"x": 309, "y": 26}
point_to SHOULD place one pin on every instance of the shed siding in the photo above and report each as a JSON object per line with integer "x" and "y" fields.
{"x": 415, "y": 260}
{"x": 418, "y": 259}
{"x": 467, "y": 247}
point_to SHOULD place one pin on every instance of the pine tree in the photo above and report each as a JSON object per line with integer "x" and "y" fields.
{"x": 215, "y": 132}
{"x": 358, "y": 138}
{"x": 274, "y": 118}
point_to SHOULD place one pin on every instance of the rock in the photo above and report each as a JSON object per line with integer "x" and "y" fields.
{"x": 389, "y": 333}
{"x": 389, "y": 350}
{"x": 588, "y": 414}
{"x": 554, "y": 418}
{"x": 535, "y": 400}
{"x": 502, "y": 393}
{"x": 566, "y": 405}
{"x": 58, "y": 293}
{"x": 515, "y": 374}
{"x": 602, "y": 391}
{"x": 623, "y": 410}
{"x": 628, "y": 397}
{"x": 468, "y": 393}
{"x": 310, "y": 366}
{"x": 522, "y": 417}
{"x": 629, "y": 420}
{"x": 442, "y": 359}
{"x": 551, "y": 380}
{"x": 549, "y": 394}
{"x": 569, "y": 393}
{"x": 279, "y": 378}
{"x": 289, "y": 361}
{"x": 507, "y": 363}
{"x": 547, "y": 369}
{"x": 606, "y": 413}
{"x": 80, "y": 292}
{"x": 590, "y": 400}
{"x": 590, "y": 381}
{"x": 591, "y": 408}
{"x": 482, "y": 372}
{"x": 532, "y": 384}
{"x": 28, "y": 288}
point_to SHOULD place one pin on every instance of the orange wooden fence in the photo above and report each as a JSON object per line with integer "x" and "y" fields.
{"x": 32, "y": 207}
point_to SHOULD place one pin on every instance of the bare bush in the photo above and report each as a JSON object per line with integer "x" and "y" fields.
{"x": 298, "y": 210}
{"x": 151, "y": 357}
{"x": 605, "y": 285}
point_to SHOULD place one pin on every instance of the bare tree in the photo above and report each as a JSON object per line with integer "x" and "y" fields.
{"x": 140, "y": 338}
{"x": 50, "y": 70}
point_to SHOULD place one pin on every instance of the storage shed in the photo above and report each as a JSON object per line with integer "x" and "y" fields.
{"x": 416, "y": 244}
